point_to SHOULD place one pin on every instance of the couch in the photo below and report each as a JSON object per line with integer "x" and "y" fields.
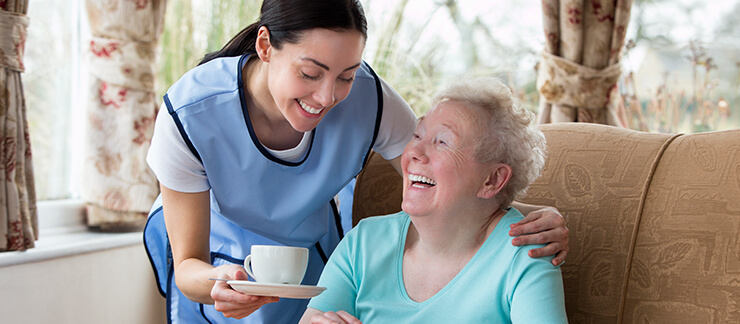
{"x": 654, "y": 221}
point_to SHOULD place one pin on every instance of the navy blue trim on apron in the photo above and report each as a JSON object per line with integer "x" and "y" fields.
{"x": 379, "y": 89}
{"x": 149, "y": 255}
{"x": 203, "y": 313}
{"x": 248, "y": 122}
{"x": 180, "y": 127}
{"x": 226, "y": 257}
{"x": 337, "y": 219}
{"x": 170, "y": 275}
{"x": 321, "y": 253}
{"x": 340, "y": 230}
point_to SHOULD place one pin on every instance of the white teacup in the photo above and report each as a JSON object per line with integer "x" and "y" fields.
{"x": 277, "y": 264}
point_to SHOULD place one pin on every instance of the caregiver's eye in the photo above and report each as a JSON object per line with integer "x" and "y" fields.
{"x": 346, "y": 80}
{"x": 309, "y": 77}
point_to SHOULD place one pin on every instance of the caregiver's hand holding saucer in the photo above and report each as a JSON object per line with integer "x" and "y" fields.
{"x": 278, "y": 272}
{"x": 231, "y": 302}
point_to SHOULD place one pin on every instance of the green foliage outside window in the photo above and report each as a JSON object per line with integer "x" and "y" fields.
{"x": 409, "y": 50}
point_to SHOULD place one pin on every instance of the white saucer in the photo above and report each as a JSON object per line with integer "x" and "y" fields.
{"x": 276, "y": 290}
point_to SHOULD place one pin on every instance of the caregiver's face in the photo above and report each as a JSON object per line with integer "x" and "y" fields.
{"x": 309, "y": 78}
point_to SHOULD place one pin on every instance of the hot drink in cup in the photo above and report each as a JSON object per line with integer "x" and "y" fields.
{"x": 277, "y": 264}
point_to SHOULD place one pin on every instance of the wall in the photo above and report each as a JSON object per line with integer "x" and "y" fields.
{"x": 106, "y": 286}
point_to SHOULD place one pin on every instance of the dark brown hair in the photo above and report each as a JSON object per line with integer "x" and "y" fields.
{"x": 288, "y": 19}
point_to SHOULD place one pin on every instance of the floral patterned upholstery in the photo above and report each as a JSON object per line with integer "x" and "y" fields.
{"x": 654, "y": 221}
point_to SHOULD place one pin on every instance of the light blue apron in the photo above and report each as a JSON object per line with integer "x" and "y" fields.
{"x": 257, "y": 198}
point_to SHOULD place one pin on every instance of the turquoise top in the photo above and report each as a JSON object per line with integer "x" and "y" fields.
{"x": 500, "y": 284}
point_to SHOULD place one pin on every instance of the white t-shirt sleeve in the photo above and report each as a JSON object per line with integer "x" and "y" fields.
{"x": 175, "y": 166}
{"x": 397, "y": 124}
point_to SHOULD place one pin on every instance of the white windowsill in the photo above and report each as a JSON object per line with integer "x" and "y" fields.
{"x": 62, "y": 232}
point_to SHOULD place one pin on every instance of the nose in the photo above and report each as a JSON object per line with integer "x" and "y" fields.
{"x": 415, "y": 151}
{"x": 325, "y": 94}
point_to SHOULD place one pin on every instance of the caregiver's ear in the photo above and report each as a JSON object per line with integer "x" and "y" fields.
{"x": 262, "y": 44}
{"x": 495, "y": 181}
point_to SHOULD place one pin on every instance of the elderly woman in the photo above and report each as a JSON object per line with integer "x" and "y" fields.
{"x": 447, "y": 256}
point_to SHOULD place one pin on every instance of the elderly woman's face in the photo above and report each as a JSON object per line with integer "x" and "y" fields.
{"x": 440, "y": 171}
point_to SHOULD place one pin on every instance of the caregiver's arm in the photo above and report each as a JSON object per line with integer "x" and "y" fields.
{"x": 187, "y": 216}
{"x": 542, "y": 225}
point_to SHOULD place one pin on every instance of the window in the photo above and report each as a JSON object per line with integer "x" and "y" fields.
{"x": 413, "y": 44}
{"x": 55, "y": 95}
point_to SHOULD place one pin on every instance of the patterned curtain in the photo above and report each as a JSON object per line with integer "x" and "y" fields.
{"x": 118, "y": 187}
{"x": 18, "y": 218}
{"x": 578, "y": 73}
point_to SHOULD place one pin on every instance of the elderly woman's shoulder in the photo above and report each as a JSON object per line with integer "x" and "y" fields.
{"x": 511, "y": 217}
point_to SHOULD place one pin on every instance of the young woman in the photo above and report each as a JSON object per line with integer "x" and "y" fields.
{"x": 447, "y": 256}
{"x": 252, "y": 146}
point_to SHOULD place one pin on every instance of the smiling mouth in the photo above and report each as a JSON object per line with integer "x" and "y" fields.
{"x": 309, "y": 109}
{"x": 420, "y": 181}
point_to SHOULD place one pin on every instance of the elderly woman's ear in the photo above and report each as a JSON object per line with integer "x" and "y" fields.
{"x": 497, "y": 179}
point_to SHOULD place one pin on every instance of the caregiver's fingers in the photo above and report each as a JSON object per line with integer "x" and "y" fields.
{"x": 552, "y": 249}
{"x": 231, "y": 302}
{"x": 557, "y": 235}
{"x": 538, "y": 221}
{"x": 241, "y": 310}
{"x": 560, "y": 258}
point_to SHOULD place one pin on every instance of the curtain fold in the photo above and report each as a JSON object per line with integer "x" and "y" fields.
{"x": 18, "y": 217}
{"x": 579, "y": 69}
{"x": 118, "y": 187}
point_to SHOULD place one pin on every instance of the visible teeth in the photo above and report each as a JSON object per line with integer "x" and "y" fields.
{"x": 309, "y": 109}
{"x": 422, "y": 179}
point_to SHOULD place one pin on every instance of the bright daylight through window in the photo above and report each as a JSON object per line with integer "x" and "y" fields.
{"x": 681, "y": 70}
{"x": 55, "y": 93}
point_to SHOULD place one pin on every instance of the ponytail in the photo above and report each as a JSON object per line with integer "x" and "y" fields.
{"x": 241, "y": 44}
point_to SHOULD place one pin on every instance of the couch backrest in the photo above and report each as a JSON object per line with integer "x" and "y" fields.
{"x": 654, "y": 220}
{"x": 686, "y": 258}
{"x": 597, "y": 176}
